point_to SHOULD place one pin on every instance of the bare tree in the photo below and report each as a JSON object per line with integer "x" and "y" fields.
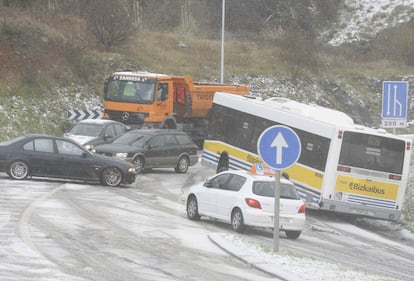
{"x": 109, "y": 21}
{"x": 186, "y": 14}
{"x": 51, "y": 5}
{"x": 137, "y": 13}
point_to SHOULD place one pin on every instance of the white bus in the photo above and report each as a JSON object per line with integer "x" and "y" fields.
{"x": 343, "y": 167}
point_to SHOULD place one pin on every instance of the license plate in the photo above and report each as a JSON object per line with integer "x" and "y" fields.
{"x": 285, "y": 221}
{"x": 282, "y": 220}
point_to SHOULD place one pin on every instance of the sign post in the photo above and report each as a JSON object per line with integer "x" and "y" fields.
{"x": 394, "y": 104}
{"x": 279, "y": 147}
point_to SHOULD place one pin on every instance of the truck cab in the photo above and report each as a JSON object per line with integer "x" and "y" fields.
{"x": 138, "y": 98}
{"x": 150, "y": 100}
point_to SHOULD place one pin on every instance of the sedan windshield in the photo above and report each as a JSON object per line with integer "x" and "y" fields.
{"x": 266, "y": 188}
{"x": 133, "y": 138}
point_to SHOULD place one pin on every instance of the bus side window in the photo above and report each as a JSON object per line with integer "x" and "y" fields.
{"x": 257, "y": 129}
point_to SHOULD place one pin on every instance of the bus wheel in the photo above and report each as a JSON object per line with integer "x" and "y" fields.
{"x": 223, "y": 164}
{"x": 222, "y": 168}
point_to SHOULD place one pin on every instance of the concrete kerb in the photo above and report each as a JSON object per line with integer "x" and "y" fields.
{"x": 272, "y": 268}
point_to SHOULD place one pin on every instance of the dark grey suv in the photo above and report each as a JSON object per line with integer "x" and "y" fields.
{"x": 153, "y": 148}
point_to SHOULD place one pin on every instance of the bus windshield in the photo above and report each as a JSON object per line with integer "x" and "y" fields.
{"x": 133, "y": 91}
{"x": 372, "y": 152}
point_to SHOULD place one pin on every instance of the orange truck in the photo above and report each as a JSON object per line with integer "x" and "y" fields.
{"x": 143, "y": 99}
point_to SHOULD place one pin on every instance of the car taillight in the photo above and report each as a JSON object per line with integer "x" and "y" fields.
{"x": 253, "y": 203}
{"x": 302, "y": 209}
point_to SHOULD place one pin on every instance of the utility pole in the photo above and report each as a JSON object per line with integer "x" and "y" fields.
{"x": 223, "y": 13}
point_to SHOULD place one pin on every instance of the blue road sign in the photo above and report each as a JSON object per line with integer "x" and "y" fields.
{"x": 394, "y": 104}
{"x": 394, "y": 99}
{"x": 279, "y": 147}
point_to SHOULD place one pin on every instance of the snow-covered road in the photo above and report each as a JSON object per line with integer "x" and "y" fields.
{"x": 57, "y": 230}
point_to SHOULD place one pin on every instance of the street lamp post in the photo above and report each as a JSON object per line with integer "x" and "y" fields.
{"x": 223, "y": 12}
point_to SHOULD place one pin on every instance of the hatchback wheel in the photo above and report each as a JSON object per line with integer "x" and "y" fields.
{"x": 237, "y": 221}
{"x": 192, "y": 208}
{"x": 18, "y": 170}
{"x": 291, "y": 234}
{"x": 139, "y": 164}
{"x": 182, "y": 165}
{"x": 111, "y": 176}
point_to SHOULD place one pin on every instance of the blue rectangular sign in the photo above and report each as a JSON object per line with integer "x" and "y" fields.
{"x": 394, "y": 104}
{"x": 394, "y": 99}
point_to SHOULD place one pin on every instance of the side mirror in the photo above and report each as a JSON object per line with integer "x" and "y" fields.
{"x": 210, "y": 183}
{"x": 207, "y": 183}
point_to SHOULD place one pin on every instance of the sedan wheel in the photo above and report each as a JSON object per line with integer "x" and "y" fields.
{"x": 111, "y": 177}
{"x": 237, "y": 221}
{"x": 192, "y": 208}
{"x": 18, "y": 170}
{"x": 182, "y": 165}
{"x": 139, "y": 163}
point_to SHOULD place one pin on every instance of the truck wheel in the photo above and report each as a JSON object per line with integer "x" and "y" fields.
{"x": 139, "y": 164}
{"x": 182, "y": 165}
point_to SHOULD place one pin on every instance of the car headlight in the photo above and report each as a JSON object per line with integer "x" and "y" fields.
{"x": 132, "y": 170}
{"x": 121, "y": 155}
{"x": 89, "y": 147}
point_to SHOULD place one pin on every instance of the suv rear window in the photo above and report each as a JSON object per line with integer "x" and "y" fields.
{"x": 266, "y": 188}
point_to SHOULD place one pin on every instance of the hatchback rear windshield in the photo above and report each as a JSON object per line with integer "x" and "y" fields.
{"x": 266, "y": 188}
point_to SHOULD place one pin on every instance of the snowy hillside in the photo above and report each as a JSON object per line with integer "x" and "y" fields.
{"x": 362, "y": 19}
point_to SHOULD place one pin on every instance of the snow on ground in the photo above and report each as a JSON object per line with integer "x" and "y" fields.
{"x": 293, "y": 267}
{"x": 361, "y": 19}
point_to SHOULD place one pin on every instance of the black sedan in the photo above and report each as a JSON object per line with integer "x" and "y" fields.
{"x": 56, "y": 157}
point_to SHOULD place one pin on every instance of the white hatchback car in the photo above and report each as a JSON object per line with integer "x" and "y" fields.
{"x": 244, "y": 199}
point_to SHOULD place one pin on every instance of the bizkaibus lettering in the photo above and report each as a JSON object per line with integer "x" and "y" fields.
{"x": 365, "y": 188}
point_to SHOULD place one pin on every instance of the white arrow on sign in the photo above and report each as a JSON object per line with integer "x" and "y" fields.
{"x": 395, "y": 103}
{"x": 279, "y": 142}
